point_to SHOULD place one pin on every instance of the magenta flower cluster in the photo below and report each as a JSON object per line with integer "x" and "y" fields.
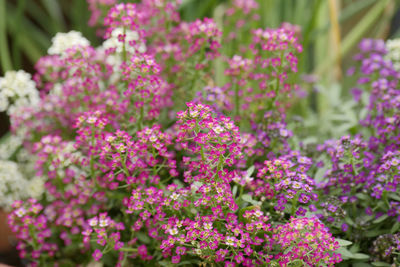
{"x": 148, "y": 159}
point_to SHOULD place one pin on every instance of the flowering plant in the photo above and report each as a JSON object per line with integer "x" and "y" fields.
{"x": 361, "y": 185}
{"x": 146, "y": 159}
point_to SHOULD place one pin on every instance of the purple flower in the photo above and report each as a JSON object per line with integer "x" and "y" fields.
{"x": 301, "y": 211}
{"x": 97, "y": 255}
{"x": 368, "y": 211}
{"x": 357, "y": 93}
{"x": 331, "y": 208}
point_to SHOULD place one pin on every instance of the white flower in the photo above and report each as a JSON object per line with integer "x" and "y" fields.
{"x": 230, "y": 240}
{"x": 258, "y": 213}
{"x": 9, "y": 146}
{"x": 393, "y": 52}
{"x": 193, "y": 113}
{"x": 20, "y": 212}
{"x": 218, "y": 129}
{"x": 36, "y": 187}
{"x": 174, "y": 196}
{"x": 64, "y": 41}
{"x": 173, "y": 231}
{"x": 142, "y": 48}
{"x": 17, "y": 90}
{"x": 13, "y": 185}
{"x": 93, "y": 222}
{"x": 3, "y": 102}
{"x": 130, "y": 36}
{"x": 208, "y": 226}
{"x": 104, "y": 223}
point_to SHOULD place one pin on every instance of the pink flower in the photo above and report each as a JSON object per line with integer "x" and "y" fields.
{"x": 176, "y": 259}
{"x": 97, "y": 255}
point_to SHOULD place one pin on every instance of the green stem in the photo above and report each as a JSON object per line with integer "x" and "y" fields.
{"x": 128, "y": 249}
{"x": 124, "y": 47}
{"x": 126, "y": 171}
{"x": 141, "y": 118}
{"x": 237, "y": 100}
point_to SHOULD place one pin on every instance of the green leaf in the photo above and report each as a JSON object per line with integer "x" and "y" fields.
{"x": 190, "y": 263}
{"x": 361, "y": 264}
{"x": 380, "y": 263}
{"x": 234, "y": 190}
{"x": 180, "y": 184}
{"x": 296, "y": 263}
{"x": 373, "y": 233}
{"x": 362, "y": 196}
{"x": 250, "y": 171}
{"x": 380, "y": 219}
{"x": 5, "y": 57}
{"x": 319, "y": 174}
{"x": 5, "y": 137}
{"x": 288, "y": 250}
{"x": 249, "y": 199}
{"x": 344, "y": 252}
{"x": 343, "y": 243}
{"x": 394, "y": 196}
{"x": 143, "y": 237}
{"x": 354, "y": 248}
{"x": 360, "y": 256}
{"x": 165, "y": 263}
{"x": 347, "y": 254}
{"x": 395, "y": 227}
{"x": 349, "y": 221}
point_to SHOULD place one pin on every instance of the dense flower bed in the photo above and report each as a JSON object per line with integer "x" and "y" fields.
{"x": 135, "y": 155}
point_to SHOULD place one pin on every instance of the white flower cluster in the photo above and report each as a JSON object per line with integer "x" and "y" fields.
{"x": 9, "y": 146}
{"x": 393, "y": 52}
{"x": 14, "y": 186}
{"x": 113, "y": 41}
{"x": 17, "y": 90}
{"x": 63, "y": 41}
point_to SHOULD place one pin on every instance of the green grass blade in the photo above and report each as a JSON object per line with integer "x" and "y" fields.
{"x": 34, "y": 42}
{"x": 31, "y": 30}
{"x": 354, "y": 36}
{"x": 16, "y": 52}
{"x": 37, "y": 14}
{"x": 5, "y": 58}
{"x": 54, "y": 10}
{"x": 354, "y": 8}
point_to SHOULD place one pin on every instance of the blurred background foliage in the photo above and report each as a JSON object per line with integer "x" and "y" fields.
{"x": 330, "y": 30}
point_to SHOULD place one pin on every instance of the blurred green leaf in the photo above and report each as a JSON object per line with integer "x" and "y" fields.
{"x": 360, "y": 256}
{"x": 344, "y": 252}
{"x": 355, "y": 35}
{"x": 381, "y": 219}
{"x": 343, "y": 243}
{"x": 54, "y": 10}
{"x": 395, "y": 228}
{"x": 5, "y": 57}
{"x": 381, "y": 264}
{"x": 355, "y": 7}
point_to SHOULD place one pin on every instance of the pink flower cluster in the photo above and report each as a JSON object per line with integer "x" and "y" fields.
{"x": 134, "y": 176}
{"x": 284, "y": 181}
{"x": 311, "y": 239}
